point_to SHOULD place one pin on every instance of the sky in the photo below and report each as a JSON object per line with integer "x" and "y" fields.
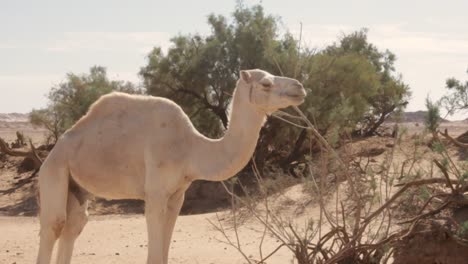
{"x": 42, "y": 41}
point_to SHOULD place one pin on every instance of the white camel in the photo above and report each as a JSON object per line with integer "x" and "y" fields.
{"x": 143, "y": 147}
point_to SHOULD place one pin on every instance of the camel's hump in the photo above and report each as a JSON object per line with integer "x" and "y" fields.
{"x": 117, "y": 102}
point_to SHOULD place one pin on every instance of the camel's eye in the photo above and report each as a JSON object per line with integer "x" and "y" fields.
{"x": 267, "y": 86}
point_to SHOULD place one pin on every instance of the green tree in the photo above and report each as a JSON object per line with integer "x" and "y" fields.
{"x": 457, "y": 98}
{"x": 354, "y": 88}
{"x": 432, "y": 120}
{"x": 51, "y": 119}
{"x": 353, "y": 85}
{"x": 346, "y": 82}
{"x": 391, "y": 92}
{"x": 200, "y": 72}
{"x": 70, "y": 100}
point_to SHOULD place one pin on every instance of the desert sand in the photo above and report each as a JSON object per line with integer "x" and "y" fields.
{"x": 122, "y": 239}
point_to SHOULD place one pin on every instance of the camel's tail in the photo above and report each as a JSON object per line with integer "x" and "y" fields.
{"x": 54, "y": 183}
{"x": 53, "y": 196}
{"x": 60, "y": 214}
{"x": 54, "y": 173}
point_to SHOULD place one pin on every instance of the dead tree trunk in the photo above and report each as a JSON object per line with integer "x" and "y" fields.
{"x": 453, "y": 140}
{"x": 20, "y": 153}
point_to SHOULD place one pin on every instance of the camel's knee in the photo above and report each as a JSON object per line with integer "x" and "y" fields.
{"x": 53, "y": 227}
{"x": 75, "y": 225}
{"x": 77, "y": 216}
{"x": 81, "y": 224}
{"x": 81, "y": 220}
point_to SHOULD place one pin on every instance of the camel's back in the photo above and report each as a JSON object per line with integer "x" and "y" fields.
{"x": 133, "y": 118}
{"x": 118, "y": 134}
{"x": 125, "y": 107}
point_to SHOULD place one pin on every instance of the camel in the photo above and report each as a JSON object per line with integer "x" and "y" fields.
{"x": 144, "y": 147}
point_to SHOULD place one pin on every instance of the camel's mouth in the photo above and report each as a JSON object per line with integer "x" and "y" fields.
{"x": 302, "y": 96}
{"x": 297, "y": 98}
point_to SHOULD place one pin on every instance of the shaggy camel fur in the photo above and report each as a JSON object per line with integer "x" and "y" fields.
{"x": 144, "y": 147}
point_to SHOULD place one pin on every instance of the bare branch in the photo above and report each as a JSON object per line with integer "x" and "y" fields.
{"x": 453, "y": 140}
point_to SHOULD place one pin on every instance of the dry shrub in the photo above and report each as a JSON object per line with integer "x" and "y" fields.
{"x": 363, "y": 218}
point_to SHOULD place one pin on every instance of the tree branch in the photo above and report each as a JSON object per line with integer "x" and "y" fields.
{"x": 15, "y": 153}
{"x": 19, "y": 153}
{"x": 454, "y": 141}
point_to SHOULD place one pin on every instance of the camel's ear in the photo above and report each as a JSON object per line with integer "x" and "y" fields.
{"x": 245, "y": 76}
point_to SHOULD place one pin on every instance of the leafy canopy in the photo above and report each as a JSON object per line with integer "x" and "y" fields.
{"x": 353, "y": 85}
{"x": 200, "y": 72}
{"x": 70, "y": 100}
{"x": 457, "y": 98}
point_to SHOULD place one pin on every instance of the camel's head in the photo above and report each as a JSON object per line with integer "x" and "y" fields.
{"x": 270, "y": 93}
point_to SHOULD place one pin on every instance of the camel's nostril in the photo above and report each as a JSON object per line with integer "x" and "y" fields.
{"x": 298, "y": 84}
{"x": 296, "y": 91}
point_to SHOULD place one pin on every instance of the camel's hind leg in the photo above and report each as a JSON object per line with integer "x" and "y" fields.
{"x": 53, "y": 193}
{"x": 77, "y": 217}
{"x": 173, "y": 209}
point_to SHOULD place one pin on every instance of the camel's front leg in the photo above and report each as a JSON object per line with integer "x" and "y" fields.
{"x": 156, "y": 217}
{"x": 173, "y": 209}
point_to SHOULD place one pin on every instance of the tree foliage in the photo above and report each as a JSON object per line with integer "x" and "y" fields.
{"x": 432, "y": 120}
{"x": 457, "y": 98}
{"x": 388, "y": 93}
{"x": 200, "y": 72}
{"x": 346, "y": 82}
{"x": 70, "y": 100}
{"x": 353, "y": 86}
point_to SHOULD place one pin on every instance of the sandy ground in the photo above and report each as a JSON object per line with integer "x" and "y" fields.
{"x": 122, "y": 239}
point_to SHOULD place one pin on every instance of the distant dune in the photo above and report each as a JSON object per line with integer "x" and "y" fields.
{"x": 14, "y": 117}
{"x": 416, "y": 117}
{"x": 12, "y": 122}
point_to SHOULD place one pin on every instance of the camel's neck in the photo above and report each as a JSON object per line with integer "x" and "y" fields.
{"x": 220, "y": 159}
